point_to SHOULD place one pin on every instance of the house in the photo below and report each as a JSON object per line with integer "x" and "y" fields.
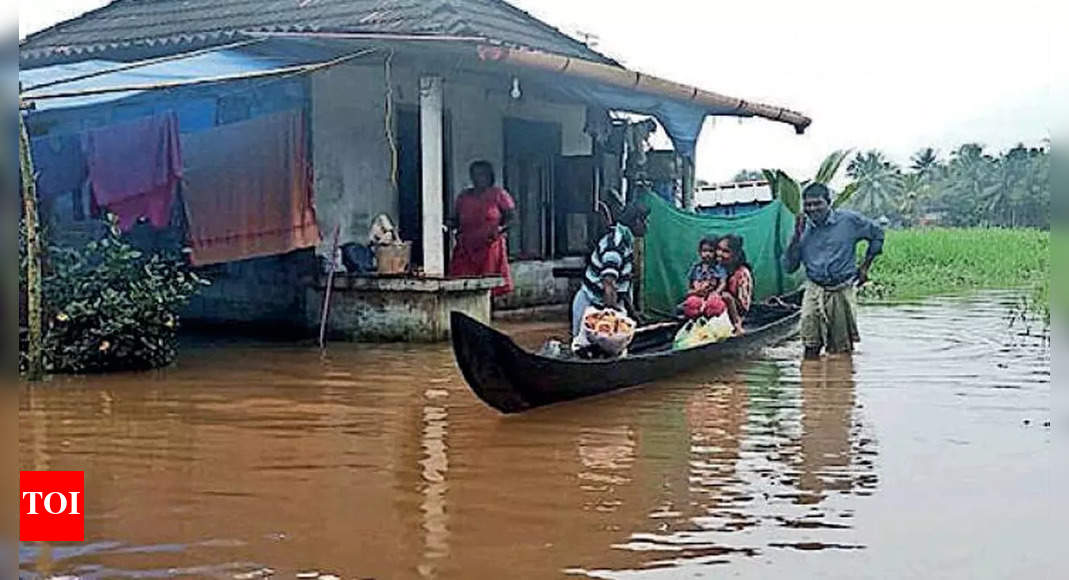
{"x": 394, "y": 101}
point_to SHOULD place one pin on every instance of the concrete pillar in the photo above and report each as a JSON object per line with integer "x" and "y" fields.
{"x": 430, "y": 131}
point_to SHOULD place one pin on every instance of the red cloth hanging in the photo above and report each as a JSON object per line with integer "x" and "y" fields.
{"x": 247, "y": 191}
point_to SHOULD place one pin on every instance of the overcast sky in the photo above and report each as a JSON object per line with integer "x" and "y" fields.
{"x": 895, "y": 75}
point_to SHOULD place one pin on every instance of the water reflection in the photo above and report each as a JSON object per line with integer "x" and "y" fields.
{"x": 828, "y": 455}
{"x": 380, "y": 463}
{"x": 435, "y": 468}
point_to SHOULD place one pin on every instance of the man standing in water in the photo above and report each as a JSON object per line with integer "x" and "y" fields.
{"x": 825, "y": 240}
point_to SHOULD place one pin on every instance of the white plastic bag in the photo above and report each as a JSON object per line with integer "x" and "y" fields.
{"x": 703, "y": 331}
{"x": 611, "y": 331}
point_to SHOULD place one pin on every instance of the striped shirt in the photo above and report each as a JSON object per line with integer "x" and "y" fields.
{"x": 613, "y": 256}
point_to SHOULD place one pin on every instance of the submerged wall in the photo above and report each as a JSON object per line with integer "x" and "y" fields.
{"x": 261, "y": 294}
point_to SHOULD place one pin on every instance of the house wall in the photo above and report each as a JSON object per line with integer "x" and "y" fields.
{"x": 477, "y": 110}
{"x": 479, "y": 113}
{"x": 351, "y": 155}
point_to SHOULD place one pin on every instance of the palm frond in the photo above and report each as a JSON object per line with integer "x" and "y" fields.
{"x": 831, "y": 165}
{"x": 845, "y": 195}
{"x": 790, "y": 193}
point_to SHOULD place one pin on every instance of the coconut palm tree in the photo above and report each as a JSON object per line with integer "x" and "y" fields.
{"x": 970, "y": 179}
{"x": 918, "y": 192}
{"x": 924, "y": 161}
{"x": 878, "y": 182}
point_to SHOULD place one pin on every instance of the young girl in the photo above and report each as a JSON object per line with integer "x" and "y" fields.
{"x": 706, "y": 281}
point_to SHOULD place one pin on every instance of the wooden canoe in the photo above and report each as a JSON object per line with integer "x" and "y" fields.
{"x": 512, "y": 380}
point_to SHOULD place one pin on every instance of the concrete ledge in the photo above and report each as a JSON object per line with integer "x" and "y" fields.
{"x": 408, "y": 283}
{"x": 397, "y": 309}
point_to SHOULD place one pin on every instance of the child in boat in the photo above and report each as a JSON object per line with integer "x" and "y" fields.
{"x": 706, "y": 280}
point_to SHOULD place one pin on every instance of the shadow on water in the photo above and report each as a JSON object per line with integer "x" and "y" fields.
{"x": 378, "y": 462}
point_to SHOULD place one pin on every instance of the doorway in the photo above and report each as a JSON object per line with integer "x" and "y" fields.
{"x": 531, "y": 152}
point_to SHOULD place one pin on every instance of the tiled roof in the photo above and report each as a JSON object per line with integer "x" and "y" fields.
{"x": 127, "y": 28}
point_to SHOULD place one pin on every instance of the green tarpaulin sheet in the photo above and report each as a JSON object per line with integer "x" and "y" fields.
{"x": 672, "y": 247}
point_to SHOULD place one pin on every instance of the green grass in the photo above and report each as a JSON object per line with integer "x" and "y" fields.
{"x": 928, "y": 262}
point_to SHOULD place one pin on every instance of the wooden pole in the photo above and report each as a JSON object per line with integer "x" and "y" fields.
{"x": 35, "y": 352}
{"x": 688, "y": 184}
{"x": 640, "y": 270}
{"x": 617, "y": 76}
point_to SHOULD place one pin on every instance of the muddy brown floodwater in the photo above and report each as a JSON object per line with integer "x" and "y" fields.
{"x": 926, "y": 455}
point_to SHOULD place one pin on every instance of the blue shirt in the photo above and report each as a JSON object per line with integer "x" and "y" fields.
{"x": 706, "y": 273}
{"x": 829, "y": 250}
{"x": 614, "y": 256}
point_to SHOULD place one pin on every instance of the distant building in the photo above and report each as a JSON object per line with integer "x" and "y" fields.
{"x": 734, "y": 198}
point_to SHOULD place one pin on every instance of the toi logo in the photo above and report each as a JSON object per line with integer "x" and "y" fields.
{"x": 51, "y": 506}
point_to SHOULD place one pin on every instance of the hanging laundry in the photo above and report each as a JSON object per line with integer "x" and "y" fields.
{"x": 134, "y": 168}
{"x": 247, "y": 191}
{"x": 59, "y": 164}
{"x": 598, "y": 124}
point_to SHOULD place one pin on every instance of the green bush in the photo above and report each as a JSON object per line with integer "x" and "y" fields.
{"x": 108, "y": 306}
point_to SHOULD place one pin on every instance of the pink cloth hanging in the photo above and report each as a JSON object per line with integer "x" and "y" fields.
{"x": 134, "y": 168}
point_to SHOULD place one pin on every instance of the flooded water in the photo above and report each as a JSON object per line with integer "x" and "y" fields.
{"x": 926, "y": 454}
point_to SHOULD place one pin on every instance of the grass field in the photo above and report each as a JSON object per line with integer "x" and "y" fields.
{"x": 926, "y": 262}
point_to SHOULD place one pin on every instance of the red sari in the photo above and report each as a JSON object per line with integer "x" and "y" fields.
{"x": 481, "y": 249}
{"x": 740, "y": 285}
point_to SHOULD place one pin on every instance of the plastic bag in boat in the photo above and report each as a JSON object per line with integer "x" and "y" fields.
{"x": 609, "y": 331}
{"x": 702, "y": 331}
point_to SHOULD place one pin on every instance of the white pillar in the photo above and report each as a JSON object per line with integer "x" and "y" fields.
{"x": 430, "y": 131}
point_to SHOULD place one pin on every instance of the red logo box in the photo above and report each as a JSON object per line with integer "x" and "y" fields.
{"x": 52, "y": 506}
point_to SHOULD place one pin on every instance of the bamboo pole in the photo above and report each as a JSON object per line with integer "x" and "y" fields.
{"x": 641, "y": 82}
{"x": 35, "y": 352}
{"x": 144, "y": 63}
{"x": 327, "y": 292}
{"x": 288, "y": 70}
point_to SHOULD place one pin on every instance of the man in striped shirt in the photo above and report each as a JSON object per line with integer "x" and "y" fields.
{"x": 607, "y": 282}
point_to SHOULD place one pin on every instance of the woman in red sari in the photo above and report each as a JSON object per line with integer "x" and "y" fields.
{"x": 738, "y": 293}
{"x": 482, "y": 215}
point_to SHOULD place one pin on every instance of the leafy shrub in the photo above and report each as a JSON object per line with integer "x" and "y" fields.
{"x": 108, "y": 306}
{"x": 926, "y": 262}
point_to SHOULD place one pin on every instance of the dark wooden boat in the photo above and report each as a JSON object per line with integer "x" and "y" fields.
{"x": 512, "y": 380}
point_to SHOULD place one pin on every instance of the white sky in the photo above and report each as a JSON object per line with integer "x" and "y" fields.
{"x": 895, "y": 75}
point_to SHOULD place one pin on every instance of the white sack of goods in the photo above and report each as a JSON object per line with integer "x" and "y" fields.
{"x": 605, "y": 333}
